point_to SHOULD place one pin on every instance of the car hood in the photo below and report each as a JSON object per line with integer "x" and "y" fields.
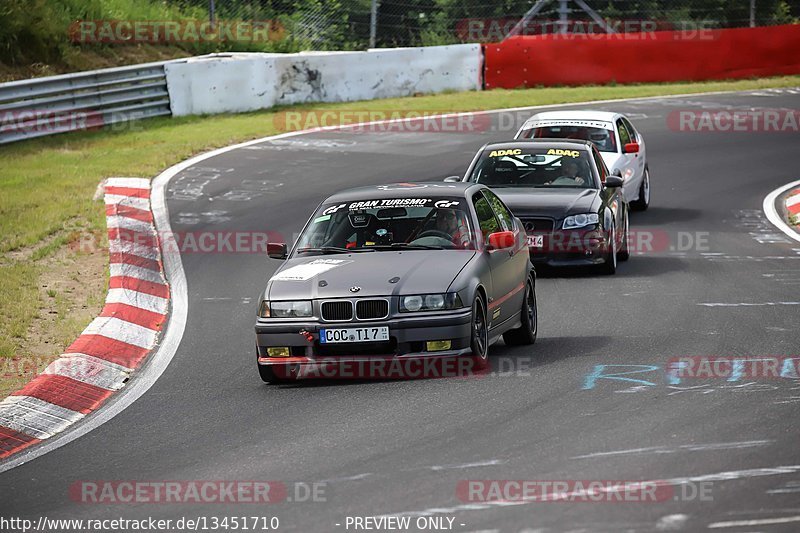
{"x": 332, "y": 276}
{"x": 556, "y": 203}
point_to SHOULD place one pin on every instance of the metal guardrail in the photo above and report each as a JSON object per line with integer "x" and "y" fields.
{"x": 85, "y": 100}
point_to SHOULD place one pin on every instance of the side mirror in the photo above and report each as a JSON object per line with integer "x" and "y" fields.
{"x": 501, "y": 240}
{"x": 276, "y": 250}
{"x": 452, "y": 179}
{"x": 613, "y": 182}
{"x": 617, "y": 173}
{"x": 631, "y": 148}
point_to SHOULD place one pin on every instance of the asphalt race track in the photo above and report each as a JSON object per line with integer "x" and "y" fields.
{"x": 397, "y": 447}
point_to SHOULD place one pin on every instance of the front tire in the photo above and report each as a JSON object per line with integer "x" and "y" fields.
{"x": 624, "y": 253}
{"x": 529, "y": 317}
{"x": 480, "y": 334}
{"x": 610, "y": 266}
{"x": 643, "y": 202}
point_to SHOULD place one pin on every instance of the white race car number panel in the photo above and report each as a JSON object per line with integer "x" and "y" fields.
{"x": 535, "y": 241}
{"x": 341, "y": 335}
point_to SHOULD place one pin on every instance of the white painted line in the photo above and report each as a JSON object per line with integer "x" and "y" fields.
{"x": 90, "y": 370}
{"x": 681, "y": 448}
{"x": 492, "y": 462}
{"x": 671, "y": 522}
{"x": 122, "y": 331}
{"x": 748, "y": 304}
{"x": 721, "y": 476}
{"x": 132, "y": 183}
{"x": 757, "y": 522}
{"x": 148, "y": 302}
{"x": 793, "y": 200}
{"x": 772, "y": 214}
{"x": 128, "y": 201}
{"x": 133, "y": 271}
{"x": 35, "y": 417}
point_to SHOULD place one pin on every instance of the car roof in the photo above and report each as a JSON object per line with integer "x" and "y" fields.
{"x": 571, "y": 144}
{"x": 574, "y": 118}
{"x": 578, "y": 114}
{"x": 431, "y": 189}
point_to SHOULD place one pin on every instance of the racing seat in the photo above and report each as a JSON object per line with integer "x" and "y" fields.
{"x": 501, "y": 173}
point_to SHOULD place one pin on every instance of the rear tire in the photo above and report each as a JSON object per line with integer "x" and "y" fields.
{"x": 643, "y": 202}
{"x": 480, "y": 334}
{"x": 526, "y": 333}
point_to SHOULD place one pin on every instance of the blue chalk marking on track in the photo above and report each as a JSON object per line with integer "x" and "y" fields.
{"x": 597, "y": 373}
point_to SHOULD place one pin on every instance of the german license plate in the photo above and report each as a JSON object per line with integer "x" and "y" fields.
{"x": 340, "y": 335}
{"x": 535, "y": 241}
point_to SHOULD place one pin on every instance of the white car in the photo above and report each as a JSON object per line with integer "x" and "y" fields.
{"x": 621, "y": 146}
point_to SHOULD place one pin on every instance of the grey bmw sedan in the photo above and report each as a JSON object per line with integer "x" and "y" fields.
{"x": 397, "y": 273}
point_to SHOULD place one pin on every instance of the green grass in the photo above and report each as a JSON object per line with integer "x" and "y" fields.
{"x": 47, "y": 184}
{"x": 20, "y": 303}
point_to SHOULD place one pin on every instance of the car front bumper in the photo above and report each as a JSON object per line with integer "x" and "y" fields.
{"x": 572, "y": 248}
{"x": 408, "y": 337}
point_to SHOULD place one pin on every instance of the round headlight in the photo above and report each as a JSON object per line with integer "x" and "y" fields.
{"x": 581, "y": 220}
{"x": 434, "y": 301}
{"x": 413, "y": 303}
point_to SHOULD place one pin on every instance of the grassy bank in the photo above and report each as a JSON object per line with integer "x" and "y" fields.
{"x": 46, "y": 189}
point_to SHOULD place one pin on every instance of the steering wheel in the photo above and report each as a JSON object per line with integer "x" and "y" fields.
{"x": 435, "y": 233}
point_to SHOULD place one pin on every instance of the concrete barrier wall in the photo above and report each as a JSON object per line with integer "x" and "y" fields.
{"x": 229, "y": 83}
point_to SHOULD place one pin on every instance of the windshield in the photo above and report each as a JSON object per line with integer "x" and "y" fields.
{"x": 602, "y": 138}
{"x": 388, "y": 224}
{"x": 533, "y": 166}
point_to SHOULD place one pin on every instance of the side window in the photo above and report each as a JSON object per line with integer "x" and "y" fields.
{"x": 630, "y": 129}
{"x": 624, "y": 135}
{"x": 486, "y": 219}
{"x": 601, "y": 165}
{"x": 500, "y": 209}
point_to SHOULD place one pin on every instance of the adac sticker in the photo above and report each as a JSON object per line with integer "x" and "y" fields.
{"x": 569, "y": 153}
{"x": 502, "y": 153}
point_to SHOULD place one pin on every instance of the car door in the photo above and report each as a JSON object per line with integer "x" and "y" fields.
{"x": 627, "y": 162}
{"x": 508, "y": 265}
{"x": 640, "y": 159}
{"x": 612, "y": 198}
